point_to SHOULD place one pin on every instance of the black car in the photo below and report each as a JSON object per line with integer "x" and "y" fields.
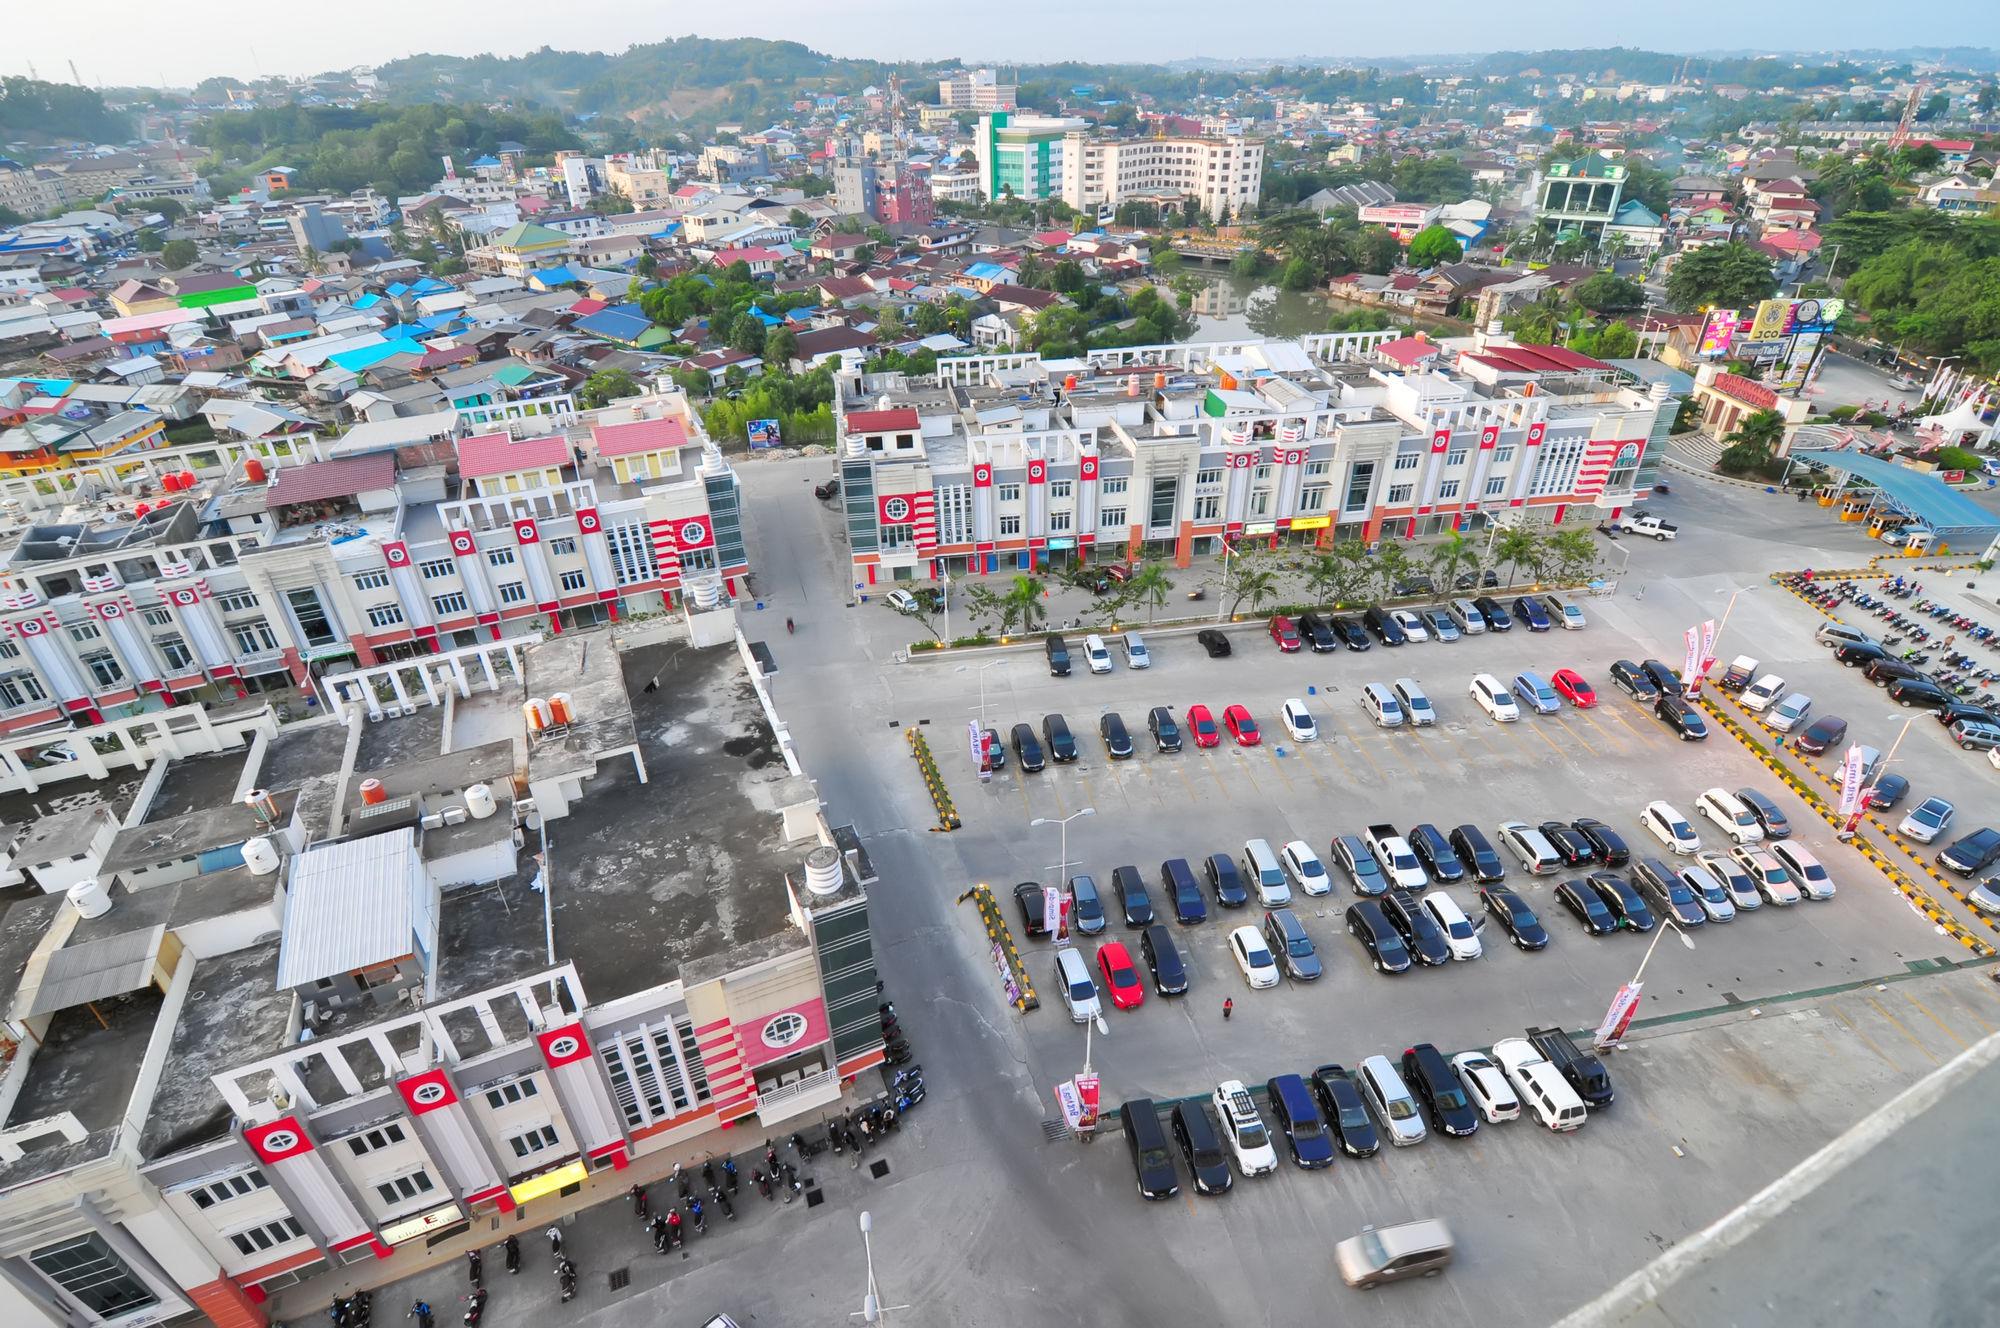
{"x": 1859, "y": 654}
{"x": 1572, "y": 846}
{"x": 1633, "y": 681}
{"x": 1971, "y": 854}
{"x": 1177, "y": 880}
{"x": 1950, "y": 714}
{"x": 1887, "y": 670}
{"x": 1918, "y": 692}
{"x": 1027, "y": 747}
{"x": 997, "y": 749}
{"x": 1117, "y": 742}
{"x": 1130, "y": 888}
{"x": 1495, "y": 613}
{"x": 1058, "y": 653}
{"x": 1664, "y": 680}
{"x": 1476, "y": 852}
{"x": 1887, "y": 791}
{"x": 1429, "y": 1075}
{"x": 1062, "y": 743}
{"x": 1214, "y": 642}
{"x": 1822, "y": 733}
{"x": 1201, "y": 1148}
{"x": 1605, "y": 843}
{"x": 1317, "y": 632}
{"x": 1486, "y": 580}
{"x": 1166, "y": 733}
{"x": 1163, "y": 960}
{"x": 1151, "y": 1161}
{"x": 1386, "y": 629}
{"x": 1531, "y": 614}
{"x": 1624, "y": 901}
{"x": 1226, "y": 881}
{"x": 1682, "y": 716}
{"x": 1514, "y": 916}
{"x": 1419, "y": 930}
{"x": 1768, "y": 816}
{"x": 1349, "y": 632}
{"x": 1586, "y": 1074}
{"x": 1029, "y": 896}
{"x": 1586, "y": 907}
{"x": 1407, "y": 586}
{"x": 1433, "y": 850}
{"x": 1368, "y": 924}
{"x": 1670, "y": 892}
{"x": 1340, "y": 1102}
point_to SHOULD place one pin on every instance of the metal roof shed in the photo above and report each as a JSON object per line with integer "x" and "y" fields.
{"x": 1952, "y": 517}
{"x": 355, "y": 905}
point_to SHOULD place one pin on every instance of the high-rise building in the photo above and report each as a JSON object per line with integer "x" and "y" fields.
{"x": 1021, "y": 156}
{"x": 1224, "y": 173}
{"x": 975, "y": 90}
{"x": 1581, "y": 196}
{"x": 854, "y": 184}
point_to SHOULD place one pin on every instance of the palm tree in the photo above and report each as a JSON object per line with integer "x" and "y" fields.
{"x": 1762, "y": 428}
{"x": 1023, "y": 603}
{"x": 1259, "y": 585}
{"x": 1347, "y": 569}
{"x": 1451, "y": 553}
{"x": 1149, "y": 585}
{"x": 1514, "y": 547}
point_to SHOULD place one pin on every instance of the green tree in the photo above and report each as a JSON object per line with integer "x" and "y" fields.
{"x": 1729, "y": 275}
{"x": 610, "y": 203}
{"x": 1376, "y": 250}
{"x": 1343, "y": 574}
{"x": 747, "y": 334}
{"x": 1434, "y": 245}
{"x": 1574, "y": 553}
{"x": 780, "y": 345}
{"x": 1754, "y": 445}
{"x": 1254, "y": 583}
{"x": 1515, "y": 546}
{"x": 1024, "y": 605}
{"x": 606, "y": 386}
{"x": 149, "y": 241}
{"x": 179, "y": 253}
{"x": 1608, "y": 293}
{"x": 1449, "y": 556}
{"x": 1149, "y": 584}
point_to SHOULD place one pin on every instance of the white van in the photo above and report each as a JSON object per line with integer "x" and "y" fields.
{"x": 1542, "y": 1088}
{"x": 1095, "y": 654}
{"x": 1079, "y": 992}
{"x": 1762, "y": 694}
{"x": 1531, "y": 846}
{"x": 1266, "y": 874}
{"x": 1135, "y": 652}
{"x": 1381, "y": 705}
{"x": 1470, "y": 621}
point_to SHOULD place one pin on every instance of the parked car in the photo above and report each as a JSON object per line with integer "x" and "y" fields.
{"x": 1166, "y": 733}
{"x": 1214, "y": 642}
{"x": 1421, "y": 934}
{"x": 1340, "y": 1102}
{"x": 1296, "y": 1110}
{"x": 1632, "y": 680}
{"x": 1027, "y": 748}
{"x": 1389, "y": 1098}
{"x": 1661, "y": 883}
{"x": 1151, "y": 1162}
{"x": 1236, "y": 718}
{"x": 1535, "y": 693}
{"x": 1670, "y": 827}
{"x": 1034, "y": 921}
{"x": 1177, "y": 882}
{"x": 1496, "y": 616}
{"x": 1460, "y": 936}
{"x": 1491, "y": 1095}
{"x": 1927, "y": 820}
{"x": 1587, "y": 907}
{"x": 1790, "y": 712}
{"x": 1284, "y": 634}
{"x": 1243, "y": 1129}
{"x": 1121, "y": 976}
{"x": 1317, "y": 631}
{"x": 1086, "y": 906}
{"x": 1297, "y": 957}
{"x": 1739, "y": 885}
{"x": 1466, "y": 617}
{"x": 1708, "y": 891}
{"x": 1384, "y": 626}
{"x": 1427, "y": 1072}
{"x": 1566, "y": 612}
{"x": 1062, "y": 743}
{"x": 1201, "y": 1148}
{"x": 1058, "y": 655}
{"x": 1585, "y": 1073}
{"x": 1919, "y": 692}
{"x": 1492, "y": 696}
{"x": 1606, "y": 844}
{"x": 1163, "y": 960}
{"x": 1531, "y": 614}
{"x": 1434, "y": 852}
{"x": 1573, "y": 688}
{"x": 1259, "y": 966}
{"x": 1762, "y": 694}
{"x": 1664, "y": 680}
{"x": 1735, "y": 820}
{"x": 1133, "y": 899}
{"x": 1416, "y": 706}
{"x": 1117, "y": 742}
{"x": 1773, "y": 882}
{"x": 1349, "y": 632}
{"x": 1368, "y": 924}
{"x": 1523, "y": 928}
{"x": 1682, "y": 716}
{"x": 1570, "y": 844}
{"x": 1473, "y": 849}
{"x": 1096, "y": 655}
{"x": 1225, "y": 880}
{"x": 1412, "y": 623}
{"x": 1441, "y": 624}
{"x": 1814, "y": 881}
{"x": 1769, "y": 819}
{"x": 1298, "y": 720}
{"x": 1543, "y": 1090}
{"x": 1971, "y": 854}
{"x": 995, "y": 750}
{"x": 1352, "y": 854}
{"x": 1308, "y": 873}
{"x": 1202, "y": 724}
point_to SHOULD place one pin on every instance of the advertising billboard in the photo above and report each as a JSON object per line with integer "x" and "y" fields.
{"x": 763, "y": 434}
{"x": 1716, "y": 331}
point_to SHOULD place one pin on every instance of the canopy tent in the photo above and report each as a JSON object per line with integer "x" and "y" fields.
{"x": 1960, "y": 420}
{"x": 1949, "y": 514}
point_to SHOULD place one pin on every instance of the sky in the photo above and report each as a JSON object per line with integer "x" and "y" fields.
{"x": 182, "y": 44}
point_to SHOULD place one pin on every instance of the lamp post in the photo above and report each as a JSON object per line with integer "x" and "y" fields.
{"x": 872, "y": 1309}
{"x": 1222, "y": 600}
{"x": 981, "y": 670}
{"x": 1063, "y": 821}
{"x": 1868, "y": 789}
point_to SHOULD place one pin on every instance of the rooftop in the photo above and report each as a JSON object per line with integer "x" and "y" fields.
{"x": 233, "y": 1014}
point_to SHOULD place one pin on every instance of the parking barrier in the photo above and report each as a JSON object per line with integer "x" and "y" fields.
{"x": 1002, "y": 939}
{"x": 947, "y": 813}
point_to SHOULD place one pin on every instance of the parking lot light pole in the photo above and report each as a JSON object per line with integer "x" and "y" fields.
{"x": 1223, "y": 598}
{"x": 1686, "y": 940}
{"x": 1094, "y": 1024}
{"x": 1063, "y": 821}
{"x": 991, "y": 664}
{"x": 872, "y": 1309}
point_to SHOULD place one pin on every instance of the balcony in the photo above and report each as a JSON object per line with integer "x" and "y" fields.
{"x": 788, "y": 1100}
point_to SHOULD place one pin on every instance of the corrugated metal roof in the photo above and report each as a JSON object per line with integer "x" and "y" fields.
{"x": 351, "y": 905}
{"x": 95, "y": 971}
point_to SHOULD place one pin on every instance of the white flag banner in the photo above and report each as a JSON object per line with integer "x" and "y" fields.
{"x": 1692, "y": 665}
{"x": 1707, "y": 658}
{"x": 1850, "y": 781}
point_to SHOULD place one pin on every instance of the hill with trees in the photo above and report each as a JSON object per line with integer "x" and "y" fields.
{"x": 396, "y": 149}
{"x": 36, "y": 111}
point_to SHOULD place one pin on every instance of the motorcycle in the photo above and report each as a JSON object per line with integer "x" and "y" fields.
{"x": 475, "y": 1268}
{"x": 708, "y": 1173}
{"x": 697, "y": 1216}
{"x": 637, "y": 1194}
{"x": 421, "y": 1312}
{"x": 721, "y": 1197}
{"x": 729, "y": 1173}
{"x": 475, "y": 1307}
{"x": 762, "y": 1182}
{"x": 566, "y": 1280}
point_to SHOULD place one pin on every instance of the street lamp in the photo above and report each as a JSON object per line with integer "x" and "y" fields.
{"x": 1222, "y": 600}
{"x": 981, "y": 669}
{"x": 1675, "y": 927}
{"x": 872, "y": 1309}
{"x": 1627, "y": 1000}
{"x": 1063, "y": 821}
{"x": 1868, "y": 790}
{"x": 1094, "y": 1023}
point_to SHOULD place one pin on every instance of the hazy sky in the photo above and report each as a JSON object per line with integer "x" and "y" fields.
{"x": 126, "y": 41}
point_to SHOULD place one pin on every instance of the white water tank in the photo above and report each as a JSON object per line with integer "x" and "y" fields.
{"x": 263, "y": 804}
{"x": 259, "y": 856}
{"x": 823, "y": 875}
{"x": 90, "y": 898}
{"x": 479, "y": 801}
{"x": 707, "y": 594}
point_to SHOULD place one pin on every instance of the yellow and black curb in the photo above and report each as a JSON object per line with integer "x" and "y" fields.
{"x": 1830, "y": 813}
{"x": 1002, "y": 939}
{"x": 947, "y": 813}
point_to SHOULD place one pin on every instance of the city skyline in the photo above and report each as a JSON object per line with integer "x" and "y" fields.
{"x": 207, "y": 44}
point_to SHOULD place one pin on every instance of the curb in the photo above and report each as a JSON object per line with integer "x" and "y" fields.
{"x": 998, "y": 933}
{"x": 920, "y": 748}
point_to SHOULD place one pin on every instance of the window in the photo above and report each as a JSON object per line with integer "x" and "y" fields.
{"x": 19, "y": 689}
{"x": 1010, "y": 525}
{"x": 1503, "y": 454}
{"x": 954, "y": 513}
{"x": 534, "y": 1140}
{"x": 1407, "y": 460}
{"x": 1059, "y": 522}
{"x": 157, "y": 618}
{"x": 1166, "y": 500}
{"x": 85, "y": 632}
{"x": 1061, "y": 488}
{"x": 1457, "y": 456}
{"x": 574, "y": 581}
{"x": 103, "y": 667}
{"x": 253, "y": 638}
{"x": 1261, "y": 473}
{"x": 1208, "y": 507}
{"x": 513, "y": 592}
{"x": 514, "y": 1090}
{"x": 1359, "y": 481}
{"x": 631, "y": 552}
{"x": 236, "y": 601}
{"x": 1260, "y": 502}
{"x": 1447, "y": 490}
{"x": 402, "y": 1189}
{"x": 449, "y": 604}
{"x": 259, "y": 1238}
{"x": 372, "y": 581}
{"x": 1009, "y": 493}
{"x": 229, "y": 1187}
{"x": 173, "y": 649}
{"x": 385, "y": 615}
{"x": 1496, "y": 486}
{"x": 1111, "y": 518}
{"x": 565, "y": 545}
{"x": 89, "y": 1270}
{"x": 8, "y": 650}
{"x": 499, "y": 557}
{"x": 1112, "y": 487}
{"x": 371, "y": 1141}
{"x": 1312, "y": 498}
{"x": 437, "y": 570}
{"x": 1398, "y": 494}
{"x": 1318, "y": 469}
{"x": 1208, "y": 479}
{"x": 313, "y": 622}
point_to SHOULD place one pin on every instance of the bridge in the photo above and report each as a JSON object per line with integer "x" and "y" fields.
{"x": 1217, "y": 248}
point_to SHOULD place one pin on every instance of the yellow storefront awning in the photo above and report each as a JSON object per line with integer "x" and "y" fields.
{"x": 549, "y": 1182}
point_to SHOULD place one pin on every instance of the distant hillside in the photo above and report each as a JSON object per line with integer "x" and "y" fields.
{"x": 43, "y": 112}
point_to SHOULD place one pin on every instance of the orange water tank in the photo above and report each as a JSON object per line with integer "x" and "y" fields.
{"x": 1226, "y": 381}
{"x": 1159, "y": 382}
{"x": 253, "y": 470}
{"x": 560, "y": 708}
{"x": 140, "y": 509}
{"x": 372, "y": 792}
{"x": 189, "y": 479}
{"x": 1069, "y": 383}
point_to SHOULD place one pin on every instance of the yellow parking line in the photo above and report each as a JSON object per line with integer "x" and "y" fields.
{"x": 1897, "y": 1024}
{"x": 1278, "y": 762}
{"x": 1576, "y": 737}
{"x": 1534, "y": 722}
{"x": 1354, "y": 745}
{"x": 1180, "y": 768}
{"x": 1956, "y": 1039}
{"x": 1211, "y": 764}
{"x": 1973, "y": 1015}
{"x": 1346, "y": 770}
{"x": 1309, "y": 757}
{"x": 1021, "y": 783}
{"x": 1866, "y": 1041}
{"x": 1590, "y": 718}
{"x": 1423, "y": 745}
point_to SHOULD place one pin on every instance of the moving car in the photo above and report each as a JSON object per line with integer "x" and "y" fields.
{"x": 1427, "y": 1072}
{"x": 1027, "y": 747}
{"x": 1807, "y": 870}
{"x": 1789, "y": 712}
{"x": 1535, "y": 693}
{"x": 1822, "y": 733}
{"x": 1587, "y": 907}
{"x": 1062, "y": 744}
{"x": 1117, "y": 742}
{"x": 1201, "y": 1148}
{"x": 1683, "y": 717}
{"x": 1459, "y": 934}
{"x": 1287, "y": 938}
{"x": 1121, "y": 976}
{"x": 1392, "y": 1253}
{"x": 1927, "y": 820}
{"x": 1469, "y": 842}
{"x": 1284, "y": 634}
{"x": 1308, "y": 873}
{"x": 1253, "y": 957}
{"x": 1728, "y": 812}
{"x": 1762, "y": 694}
{"x": 1664, "y": 680}
{"x": 1670, "y": 828}
{"x": 1151, "y": 1161}
{"x": 1353, "y": 855}
{"x": 1630, "y": 679}
{"x": 1486, "y": 1086}
{"x": 1492, "y": 697}
{"x": 1214, "y": 642}
{"x": 1236, "y": 719}
{"x": 1573, "y": 688}
{"x": 1340, "y": 1103}
{"x": 1523, "y": 928}
{"x": 1166, "y": 733}
{"x": 1299, "y": 721}
{"x": 1389, "y": 1098}
{"x": 1739, "y": 885}
{"x": 1243, "y": 1129}
{"x": 1769, "y": 819}
{"x": 1368, "y": 924}
{"x": 1772, "y": 880}
{"x": 1606, "y": 844}
{"x": 1202, "y": 724}
{"x": 1225, "y": 880}
{"x": 1028, "y": 894}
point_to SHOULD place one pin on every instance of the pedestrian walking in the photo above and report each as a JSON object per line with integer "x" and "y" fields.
{"x": 1228, "y": 1006}
{"x": 554, "y": 1233}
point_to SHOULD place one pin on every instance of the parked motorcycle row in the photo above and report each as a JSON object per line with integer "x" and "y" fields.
{"x": 1934, "y": 627}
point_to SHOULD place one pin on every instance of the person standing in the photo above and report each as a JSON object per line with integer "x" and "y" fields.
{"x": 1228, "y": 1007}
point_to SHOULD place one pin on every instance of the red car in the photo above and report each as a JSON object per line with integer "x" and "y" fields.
{"x": 1121, "y": 976}
{"x": 1203, "y": 724}
{"x": 1241, "y": 726}
{"x": 1285, "y": 632}
{"x": 1574, "y": 689}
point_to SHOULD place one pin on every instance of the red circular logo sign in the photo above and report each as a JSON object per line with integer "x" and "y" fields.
{"x": 1088, "y": 467}
{"x": 896, "y": 510}
{"x": 182, "y": 597}
{"x": 525, "y": 532}
{"x": 693, "y": 535}
{"x": 278, "y": 1140}
{"x": 587, "y": 521}
{"x": 461, "y": 541}
{"x": 33, "y": 627}
{"x": 397, "y": 556}
{"x": 982, "y": 474}
{"x": 111, "y": 610}
{"x": 1035, "y": 472}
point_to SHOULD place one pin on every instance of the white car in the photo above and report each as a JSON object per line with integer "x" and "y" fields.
{"x": 1494, "y": 698}
{"x": 1808, "y": 871}
{"x": 1096, "y": 654}
{"x": 1772, "y": 880}
{"x": 1728, "y": 812}
{"x": 1927, "y": 820}
{"x": 1299, "y": 721}
{"x": 1708, "y": 892}
{"x": 1789, "y": 713}
{"x": 1305, "y": 868}
{"x": 1413, "y": 626}
{"x": 1260, "y": 967}
{"x": 1670, "y": 828}
{"x": 1986, "y": 895}
{"x": 1738, "y": 884}
{"x": 1486, "y": 1086}
{"x": 1244, "y": 1128}
{"x": 902, "y": 601}
{"x": 1762, "y": 694}
{"x": 1416, "y": 705}
{"x": 1460, "y": 936}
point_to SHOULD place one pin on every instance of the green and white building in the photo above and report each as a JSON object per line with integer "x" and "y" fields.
{"x": 1022, "y": 155}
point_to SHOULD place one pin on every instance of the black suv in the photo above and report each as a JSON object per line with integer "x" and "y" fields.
{"x": 1418, "y": 928}
{"x": 1514, "y": 916}
{"x": 1886, "y": 670}
{"x": 1387, "y": 630}
{"x": 1027, "y": 747}
{"x": 1318, "y": 633}
{"x": 1062, "y": 744}
{"x": 1214, "y": 642}
{"x": 1476, "y": 852}
{"x": 1117, "y": 742}
{"x": 1495, "y": 613}
{"x": 1683, "y": 717}
{"x": 1349, "y": 632}
{"x": 1918, "y": 692}
{"x": 1586, "y": 1074}
{"x": 1571, "y": 845}
{"x": 1166, "y": 733}
{"x": 1858, "y": 654}
{"x": 1163, "y": 960}
{"x": 1632, "y": 680}
{"x": 1664, "y": 680}
{"x": 1426, "y": 1071}
{"x": 1624, "y": 901}
{"x": 1226, "y": 881}
{"x": 1340, "y": 1102}
{"x": 1201, "y": 1146}
{"x": 1433, "y": 850}
{"x": 1607, "y": 844}
{"x": 1130, "y": 887}
{"x": 1298, "y": 1118}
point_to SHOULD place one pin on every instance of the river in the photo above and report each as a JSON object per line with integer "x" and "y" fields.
{"x": 1232, "y": 308}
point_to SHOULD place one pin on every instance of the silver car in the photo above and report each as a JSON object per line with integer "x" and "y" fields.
{"x": 1708, "y": 892}
{"x": 1789, "y": 713}
{"x": 1391, "y": 1101}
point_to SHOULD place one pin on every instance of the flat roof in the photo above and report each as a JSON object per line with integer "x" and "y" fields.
{"x": 1924, "y": 497}
{"x": 352, "y": 905}
{"x": 192, "y": 832}
{"x": 233, "y": 1014}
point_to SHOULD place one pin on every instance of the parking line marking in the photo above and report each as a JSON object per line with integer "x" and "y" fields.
{"x": 1354, "y": 743}
{"x": 1309, "y": 757}
{"x": 1973, "y": 1015}
{"x": 1897, "y": 1024}
{"x": 1959, "y": 1041}
{"x": 1576, "y": 737}
{"x": 1424, "y": 746}
{"x": 1027, "y": 806}
{"x": 1278, "y": 764}
{"x": 1210, "y": 763}
{"x": 1866, "y": 1041}
{"x": 1610, "y": 737}
{"x": 1180, "y": 768}
{"x": 1535, "y": 724}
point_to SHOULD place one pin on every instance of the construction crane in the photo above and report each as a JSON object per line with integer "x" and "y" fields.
{"x": 1909, "y": 120}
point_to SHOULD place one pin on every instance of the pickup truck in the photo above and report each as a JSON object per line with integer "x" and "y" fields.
{"x": 1650, "y": 525}
{"x": 1399, "y": 862}
{"x": 1738, "y": 675}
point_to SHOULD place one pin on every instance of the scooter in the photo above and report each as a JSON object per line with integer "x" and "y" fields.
{"x": 637, "y": 1194}
{"x": 721, "y": 1197}
{"x": 708, "y": 1173}
{"x": 566, "y": 1280}
{"x": 475, "y": 1269}
{"x": 729, "y": 1173}
{"x": 697, "y": 1216}
{"x": 762, "y": 1182}
{"x": 902, "y": 1077}
{"x": 475, "y": 1307}
{"x": 661, "y": 1236}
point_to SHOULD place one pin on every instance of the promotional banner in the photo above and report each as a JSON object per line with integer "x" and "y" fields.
{"x": 1052, "y": 899}
{"x": 1619, "y": 1017}
{"x": 1716, "y": 331}
{"x": 1692, "y": 664}
{"x": 1087, "y": 1098}
{"x": 1774, "y": 319}
{"x": 1707, "y": 657}
{"x": 763, "y": 434}
{"x": 1850, "y": 782}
